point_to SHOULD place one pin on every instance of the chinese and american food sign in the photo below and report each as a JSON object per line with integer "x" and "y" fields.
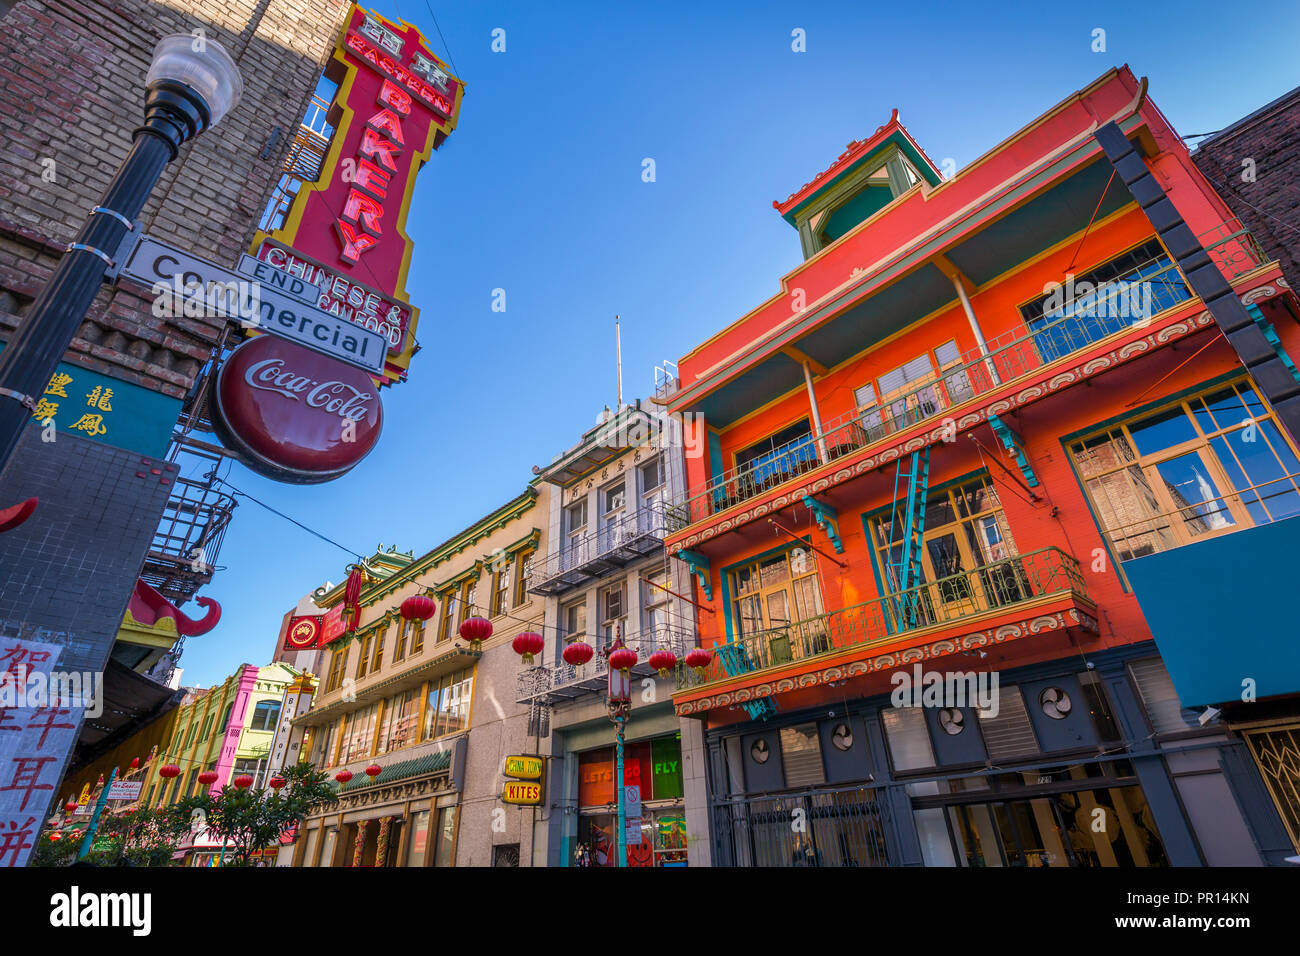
{"x": 345, "y": 233}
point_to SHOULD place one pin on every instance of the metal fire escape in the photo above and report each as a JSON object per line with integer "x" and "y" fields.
{"x": 904, "y": 565}
{"x": 302, "y": 164}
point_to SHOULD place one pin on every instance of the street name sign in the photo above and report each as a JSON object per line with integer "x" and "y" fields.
{"x": 281, "y": 307}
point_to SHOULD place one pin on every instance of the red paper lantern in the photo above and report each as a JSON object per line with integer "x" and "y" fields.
{"x": 56, "y": 835}
{"x": 476, "y": 630}
{"x": 275, "y": 783}
{"x": 418, "y": 607}
{"x": 527, "y": 644}
{"x": 577, "y": 653}
{"x": 663, "y": 662}
{"x": 698, "y": 659}
{"x": 135, "y": 763}
{"x": 208, "y": 778}
{"x": 622, "y": 659}
{"x": 243, "y": 781}
{"x": 168, "y": 771}
{"x": 343, "y": 776}
{"x": 374, "y": 770}
{"x": 70, "y": 806}
{"x": 352, "y": 596}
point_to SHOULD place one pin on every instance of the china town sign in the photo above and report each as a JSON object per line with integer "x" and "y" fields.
{"x": 293, "y": 414}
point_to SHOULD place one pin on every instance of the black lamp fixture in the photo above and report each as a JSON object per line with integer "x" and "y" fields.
{"x": 191, "y": 85}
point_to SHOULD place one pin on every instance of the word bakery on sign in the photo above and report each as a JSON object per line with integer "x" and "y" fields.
{"x": 360, "y": 223}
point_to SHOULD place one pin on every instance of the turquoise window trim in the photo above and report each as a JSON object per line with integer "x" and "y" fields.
{"x": 724, "y": 578}
{"x": 715, "y": 457}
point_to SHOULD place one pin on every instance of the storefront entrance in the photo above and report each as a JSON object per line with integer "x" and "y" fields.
{"x": 1042, "y": 818}
{"x": 658, "y": 836}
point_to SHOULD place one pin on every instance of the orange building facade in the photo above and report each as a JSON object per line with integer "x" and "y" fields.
{"x": 940, "y": 465}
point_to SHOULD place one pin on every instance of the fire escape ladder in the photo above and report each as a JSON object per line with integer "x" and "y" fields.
{"x": 910, "y": 490}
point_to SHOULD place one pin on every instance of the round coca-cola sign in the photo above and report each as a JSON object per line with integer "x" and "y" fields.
{"x": 293, "y": 414}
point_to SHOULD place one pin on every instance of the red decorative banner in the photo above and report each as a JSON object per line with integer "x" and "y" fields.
{"x": 396, "y": 102}
{"x": 332, "y": 627}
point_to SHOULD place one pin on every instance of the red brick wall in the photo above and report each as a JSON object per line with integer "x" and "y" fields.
{"x": 1271, "y": 140}
{"x": 71, "y": 92}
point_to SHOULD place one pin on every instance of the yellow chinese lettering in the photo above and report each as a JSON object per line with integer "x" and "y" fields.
{"x": 99, "y": 398}
{"x": 57, "y": 385}
{"x": 90, "y": 424}
{"x": 45, "y": 409}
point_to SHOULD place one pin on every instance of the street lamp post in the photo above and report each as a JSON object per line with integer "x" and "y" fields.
{"x": 192, "y": 84}
{"x": 619, "y": 703}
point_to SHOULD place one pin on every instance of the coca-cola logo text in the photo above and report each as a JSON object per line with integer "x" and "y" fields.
{"x": 335, "y": 397}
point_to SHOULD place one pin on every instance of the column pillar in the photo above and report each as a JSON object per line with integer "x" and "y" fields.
{"x": 359, "y": 845}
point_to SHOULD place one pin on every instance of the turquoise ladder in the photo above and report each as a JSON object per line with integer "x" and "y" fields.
{"x": 905, "y": 573}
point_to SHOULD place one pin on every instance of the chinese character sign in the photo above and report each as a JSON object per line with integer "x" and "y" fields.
{"x": 37, "y": 730}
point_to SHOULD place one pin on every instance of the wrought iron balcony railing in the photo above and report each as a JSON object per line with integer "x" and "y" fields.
{"x": 629, "y": 538}
{"x": 561, "y": 681}
{"x": 978, "y": 592}
{"x": 1010, "y": 356}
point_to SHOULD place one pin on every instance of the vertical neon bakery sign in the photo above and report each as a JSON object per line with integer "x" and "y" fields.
{"x": 395, "y": 104}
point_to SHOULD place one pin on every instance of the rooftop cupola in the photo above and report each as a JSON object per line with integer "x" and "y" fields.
{"x": 868, "y": 176}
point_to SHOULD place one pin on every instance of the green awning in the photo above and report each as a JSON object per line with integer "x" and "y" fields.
{"x": 429, "y": 763}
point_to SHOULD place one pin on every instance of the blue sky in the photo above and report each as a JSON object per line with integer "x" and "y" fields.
{"x": 539, "y": 192}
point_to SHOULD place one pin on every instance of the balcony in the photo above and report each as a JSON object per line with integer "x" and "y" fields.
{"x": 550, "y": 684}
{"x": 1010, "y": 360}
{"x": 629, "y": 538}
{"x": 1028, "y": 594}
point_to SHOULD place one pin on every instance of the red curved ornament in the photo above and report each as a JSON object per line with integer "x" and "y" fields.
{"x": 243, "y": 781}
{"x": 374, "y": 770}
{"x": 343, "y": 776}
{"x": 169, "y": 771}
{"x": 208, "y": 778}
{"x": 15, "y": 515}
{"x": 275, "y": 783}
